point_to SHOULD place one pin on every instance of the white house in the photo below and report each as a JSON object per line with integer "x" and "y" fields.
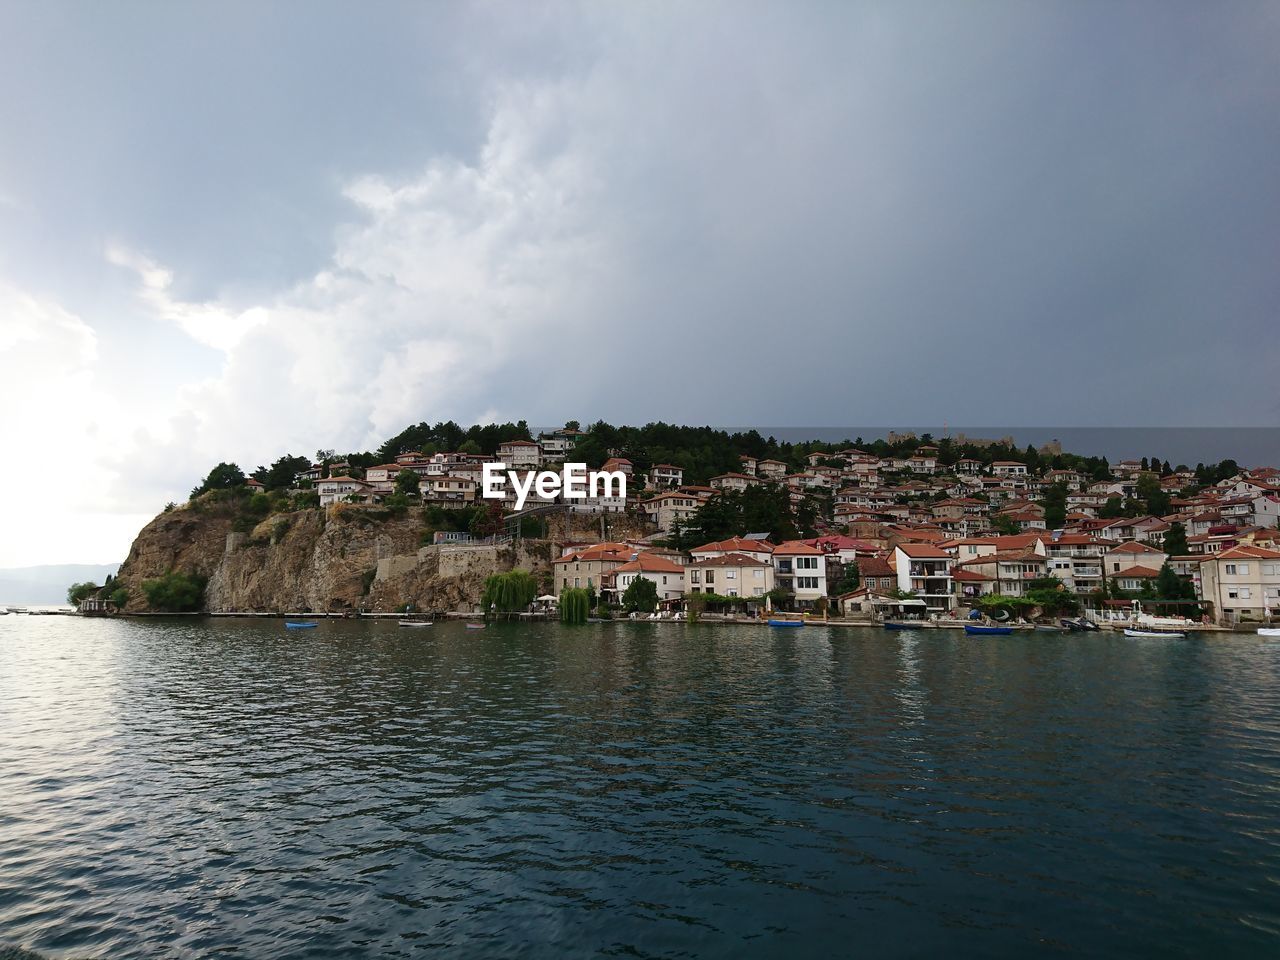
{"x": 336, "y": 489}
{"x": 802, "y": 569}
{"x": 925, "y": 570}
{"x": 668, "y": 577}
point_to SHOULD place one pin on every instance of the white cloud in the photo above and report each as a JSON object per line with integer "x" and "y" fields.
{"x": 55, "y": 427}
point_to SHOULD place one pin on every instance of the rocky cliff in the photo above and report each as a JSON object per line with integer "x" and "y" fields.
{"x": 338, "y": 558}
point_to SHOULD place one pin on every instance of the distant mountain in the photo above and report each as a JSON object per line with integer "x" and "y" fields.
{"x": 47, "y": 585}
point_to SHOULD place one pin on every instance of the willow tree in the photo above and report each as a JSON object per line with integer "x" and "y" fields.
{"x": 575, "y": 605}
{"x": 509, "y": 592}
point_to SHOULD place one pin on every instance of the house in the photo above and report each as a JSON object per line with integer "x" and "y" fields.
{"x": 667, "y": 576}
{"x": 761, "y": 550}
{"x": 344, "y": 489}
{"x": 773, "y": 470}
{"x": 618, "y": 465}
{"x": 924, "y": 569}
{"x": 876, "y": 575}
{"x": 518, "y": 454}
{"x": 586, "y": 566}
{"x": 748, "y": 463}
{"x": 1008, "y": 468}
{"x": 1132, "y": 554}
{"x": 732, "y": 481}
{"x": 666, "y": 509}
{"x": 448, "y": 489}
{"x": 730, "y": 575}
{"x": 1076, "y": 560}
{"x": 665, "y": 475}
{"x": 968, "y": 467}
{"x": 557, "y": 444}
{"x": 1242, "y": 583}
{"x": 1132, "y": 578}
{"x": 801, "y": 569}
{"x": 971, "y": 583}
{"x": 382, "y": 478}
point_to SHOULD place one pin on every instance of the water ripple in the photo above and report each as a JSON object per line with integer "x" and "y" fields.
{"x": 196, "y": 788}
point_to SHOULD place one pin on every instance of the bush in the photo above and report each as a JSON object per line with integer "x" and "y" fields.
{"x": 175, "y": 592}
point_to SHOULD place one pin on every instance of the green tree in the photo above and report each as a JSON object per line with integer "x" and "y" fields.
{"x": 1149, "y": 491}
{"x": 1055, "y": 506}
{"x": 175, "y": 592}
{"x": 281, "y": 474}
{"x": 81, "y": 591}
{"x": 119, "y": 597}
{"x": 1003, "y": 523}
{"x": 1113, "y": 509}
{"x": 1175, "y": 540}
{"x": 575, "y": 605}
{"x": 225, "y": 476}
{"x": 470, "y": 447}
{"x": 641, "y": 595}
{"x": 509, "y": 592}
{"x": 407, "y": 483}
{"x": 489, "y": 520}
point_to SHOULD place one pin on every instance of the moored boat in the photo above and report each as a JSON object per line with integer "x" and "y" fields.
{"x": 980, "y": 630}
{"x": 786, "y": 623}
{"x": 1269, "y": 631}
{"x": 416, "y": 623}
{"x": 1158, "y": 634}
{"x": 476, "y": 626}
{"x": 300, "y": 625}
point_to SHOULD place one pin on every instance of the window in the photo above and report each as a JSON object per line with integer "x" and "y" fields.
{"x": 1245, "y": 593}
{"x": 731, "y": 574}
{"x": 576, "y": 582}
{"x": 806, "y": 563}
{"x": 711, "y": 576}
{"x": 759, "y": 591}
{"x": 1269, "y": 569}
{"x": 806, "y": 583}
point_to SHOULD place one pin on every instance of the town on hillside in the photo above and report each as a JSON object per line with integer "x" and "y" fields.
{"x": 902, "y": 527}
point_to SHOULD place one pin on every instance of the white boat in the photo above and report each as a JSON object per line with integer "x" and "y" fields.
{"x": 416, "y": 623}
{"x": 1160, "y": 634}
{"x": 1269, "y": 631}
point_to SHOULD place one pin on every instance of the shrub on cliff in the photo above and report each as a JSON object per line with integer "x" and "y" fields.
{"x": 175, "y": 592}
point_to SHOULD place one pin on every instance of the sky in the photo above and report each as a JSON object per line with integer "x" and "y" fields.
{"x": 231, "y": 231}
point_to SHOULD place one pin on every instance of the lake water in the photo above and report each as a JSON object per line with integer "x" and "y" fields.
{"x": 195, "y": 788}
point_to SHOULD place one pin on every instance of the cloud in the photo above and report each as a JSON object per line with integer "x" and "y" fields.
{"x": 56, "y": 423}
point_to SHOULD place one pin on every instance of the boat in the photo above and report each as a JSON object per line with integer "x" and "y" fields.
{"x": 1158, "y": 634}
{"x": 786, "y": 623}
{"x": 985, "y": 631}
{"x": 476, "y": 626}
{"x": 1048, "y": 628}
{"x": 1269, "y": 631}
{"x": 299, "y": 625}
{"x": 416, "y": 623}
{"x": 1081, "y": 624}
{"x": 899, "y": 625}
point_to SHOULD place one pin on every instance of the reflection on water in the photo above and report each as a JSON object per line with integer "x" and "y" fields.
{"x": 183, "y": 788}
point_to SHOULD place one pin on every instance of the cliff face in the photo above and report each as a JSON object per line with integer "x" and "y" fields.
{"x": 337, "y": 559}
